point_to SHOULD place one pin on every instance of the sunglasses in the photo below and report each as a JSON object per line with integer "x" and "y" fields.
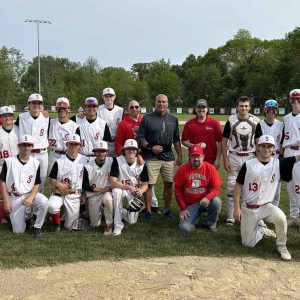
{"x": 36, "y": 102}
{"x": 135, "y": 106}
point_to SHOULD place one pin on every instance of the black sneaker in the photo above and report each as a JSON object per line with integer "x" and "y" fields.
{"x": 37, "y": 233}
{"x": 55, "y": 228}
{"x": 169, "y": 215}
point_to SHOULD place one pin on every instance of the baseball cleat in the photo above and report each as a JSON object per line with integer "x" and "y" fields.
{"x": 108, "y": 229}
{"x": 37, "y": 233}
{"x": 269, "y": 233}
{"x": 284, "y": 252}
{"x": 229, "y": 222}
{"x": 55, "y": 228}
{"x": 117, "y": 232}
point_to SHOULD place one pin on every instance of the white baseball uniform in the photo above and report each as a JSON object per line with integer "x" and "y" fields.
{"x": 113, "y": 117}
{"x": 38, "y": 129}
{"x": 276, "y": 132}
{"x": 68, "y": 171}
{"x": 98, "y": 176}
{"x": 291, "y": 145}
{"x": 20, "y": 178}
{"x": 127, "y": 175}
{"x": 58, "y": 133}
{"x": 296, "y": 182}
{"x": 241, "y": 146}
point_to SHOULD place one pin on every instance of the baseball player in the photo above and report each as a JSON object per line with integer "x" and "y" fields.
{"x": 34, "y": 123}
{"x": 97, "y": 187}
{"x": 20, "y": 181}
{"x": 271, "y": 126}
{"x": 112, "y": 114}
{"x": 59, "y": 129}
{"x": 291, "y": 145}
{"x": 128, "y": 179}
{"x": 66, "y": 181}
{"x": 257, "y": 183}
{"x": 8, "y": 145}
{"x": 92, "y": 129}
{"x": 238, "y": 146}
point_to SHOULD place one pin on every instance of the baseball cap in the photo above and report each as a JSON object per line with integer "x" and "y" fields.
{"x": 73, "y": 139}
{"x": 62, "y": 102}
{"x": 195, "y": 150}
{"x": 80, "y": 109}
{"x": 25, "y": 139}
{"x": 266, "y": 139}
{"x": 100, "y": 145}
{"x": 131, "y": 143}
{"x": 6, "y": 110}
{"x": 35, "y": 97}
{"x": 108, "y": 91}
{"x": 295, "y": 93}
{"x": 201, "y": 102}
{"x": 91, "y": 101}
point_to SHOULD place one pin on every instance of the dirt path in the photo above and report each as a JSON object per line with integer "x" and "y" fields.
{"x": 161, "y": 278}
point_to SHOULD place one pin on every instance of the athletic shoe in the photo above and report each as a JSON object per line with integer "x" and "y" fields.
{"x": 284, "y": 252}
{"x": 168, "y": 214}
{"x": 292, "y": 222}
{"x": 108, "y": 229}
{"x": 154, "y": 209}
{"x": 55, "y": 228}
{"x": 148, "y": 216}
{"x": 229, "y": 222}
{"x": 269, "y": 233}
{"x": 117, "y": 232}
{"x": 37, "y": 233}
{"x": 211, "y": 229}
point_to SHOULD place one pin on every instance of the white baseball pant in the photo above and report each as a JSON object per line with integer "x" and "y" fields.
{"x": 71, "y": 204}
{"x": 235, "y": 163}
{"x": 252, "y": 228}
{"x": 19, "y": 211}
{"x": 95, "y": 203}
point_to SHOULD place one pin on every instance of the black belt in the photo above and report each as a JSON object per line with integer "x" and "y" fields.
{"x": 38, "y": 150}
{"x": 241, "y": 153}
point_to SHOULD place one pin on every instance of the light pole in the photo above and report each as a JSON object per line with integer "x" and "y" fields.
{"x": 38, "y": 39}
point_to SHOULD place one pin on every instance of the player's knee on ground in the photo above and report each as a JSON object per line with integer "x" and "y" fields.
{"x": 249, "y": 241}
{"x": 186, "y": 227}
{"x": 54, "y": 204}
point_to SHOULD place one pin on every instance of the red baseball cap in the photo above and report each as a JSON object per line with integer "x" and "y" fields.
{"x": 195, "y": 150}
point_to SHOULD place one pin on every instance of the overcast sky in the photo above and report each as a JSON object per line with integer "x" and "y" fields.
{"x": 124, "y": 32}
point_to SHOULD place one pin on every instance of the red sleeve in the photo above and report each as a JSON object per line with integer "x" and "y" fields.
{"x": 218, "y": 131}
{"x": 179, "y": 181}
{"x": 184, "y": 136}
{"x": 119, "y": 139}
{"x": 215, "y": 182}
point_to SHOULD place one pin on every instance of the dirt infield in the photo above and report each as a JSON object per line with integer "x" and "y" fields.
{"x": 160, "y": 278}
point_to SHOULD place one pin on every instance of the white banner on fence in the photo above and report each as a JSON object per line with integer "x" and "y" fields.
{"x": 256, "y": 110}
{"x": 179, "y": 110}
{"x": 281, "y": 111}
{"x": 211, "y": 110}
{"x": 143, "y": 110}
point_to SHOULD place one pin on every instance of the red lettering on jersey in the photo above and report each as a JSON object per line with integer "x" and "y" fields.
{"x": 273, "y": 178}
{"x": 66, "y": 136}
{"x": 126, "y": 181}
{"x": 253, "y": 186}
{"x": 4, "y": 154}
{"x": 286, "y": 135}
{"x": 30, "y": 179}
{"x": 52, "y": 142}
{"x": 42, "y": 132}
{"x": 297, "y": 189}
{"x": 97, "y": 136}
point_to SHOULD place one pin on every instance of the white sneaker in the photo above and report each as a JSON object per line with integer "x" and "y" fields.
{"x": 230, "y": 222}
{"x": 269, "y": 233}
{"x": 284, "y": 252}
{"x": 117, "y": 232}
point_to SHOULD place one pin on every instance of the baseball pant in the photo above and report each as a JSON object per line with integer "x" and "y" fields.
{"x": 235, "y": 163}
{"x": 276, "y": 199}
{"x": 71, "y": 204}
{"x": 19, "y": 211}
{"x": 43, "y": 159}
{"x": 252, "y": 230}
{"x": 120, "y": 212}
{"x": 95, "y": 203}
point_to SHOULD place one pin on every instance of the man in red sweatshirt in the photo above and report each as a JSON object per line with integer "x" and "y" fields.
{"x": 197, "y": 185}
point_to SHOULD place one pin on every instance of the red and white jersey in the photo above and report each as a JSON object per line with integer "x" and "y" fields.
{"x": 20, "y": 178}
{"x": 8, "y": 143}
{"x": 275, "y": 131}
{"x": 261, "y": 181}
{"x": 291, "y": 130}
{"x": 98, "y": 177}
{"x": 71, "y": 171}
{"x": 58, "y": 133}
{"x": 296, "y": 180}
{"x": 91, "y": 133}
{"x": 242, "y": 134}
{"x": 112, "y": 117}
{"x": 129, "y": 174}
{"x": 37, "y": 128}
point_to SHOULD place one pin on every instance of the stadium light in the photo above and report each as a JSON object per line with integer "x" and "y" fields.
{"x": 38, "y": 22}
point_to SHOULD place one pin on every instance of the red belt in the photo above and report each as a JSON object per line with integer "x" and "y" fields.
{"x": 294, "y": 147}
{"x": 59, "y": 151}
{"x": 38, "y": 150}
{"x": 241, "y": 154}
{"x": 252, "y": 206}
{"x": 14, "y": 194}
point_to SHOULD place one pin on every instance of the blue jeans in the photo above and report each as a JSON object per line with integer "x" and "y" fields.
{"x": 195, "y": 211}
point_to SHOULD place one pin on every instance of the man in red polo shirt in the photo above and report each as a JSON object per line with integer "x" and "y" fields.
{"x": 205, "y": 131}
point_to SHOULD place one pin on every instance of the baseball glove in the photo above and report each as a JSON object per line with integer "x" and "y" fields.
{"x": 79, "y": 225}
{"x": 135, "y": 205}
{"x": 58, "y": 192}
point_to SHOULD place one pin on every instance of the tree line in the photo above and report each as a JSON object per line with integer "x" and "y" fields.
{"x": 245, "y": 65}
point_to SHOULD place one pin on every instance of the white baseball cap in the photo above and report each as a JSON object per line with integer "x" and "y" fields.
{"x": 73, "y": 139}
{"x": 91, "y": 101}
{"x": 80, "y": 109}
{"x": 6, "y": 110}
{"x": 295, "y": 93}
{"x": 35, "y": 97}
{"x": 266, "y": 139}
{"x": 25, "y": 139}
{"x": 108, "y": 91}
{"x": 62, "y": 102}
{"x": 131, "y": 143}
{"x": 100, "y": 145}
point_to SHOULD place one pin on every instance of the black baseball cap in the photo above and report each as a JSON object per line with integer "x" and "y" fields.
{"x": 201, "y": 102}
